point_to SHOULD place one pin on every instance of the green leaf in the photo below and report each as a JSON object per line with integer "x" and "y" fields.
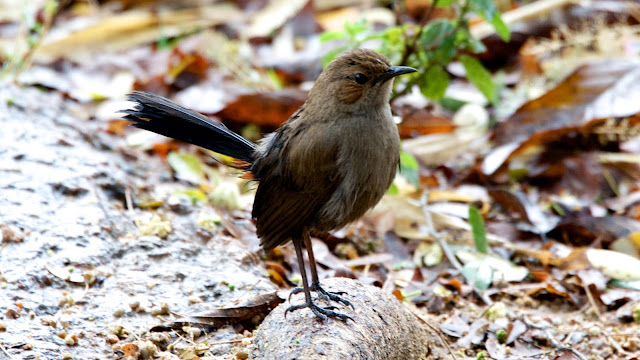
{"x": 406, "y": 296}
{"x": 478, "y": 230}
{"x": 444, "y": 3}
{"x": 409, "y": 168}
{"x": 436, "y": 31}
{"x": 393, "y": 33}
{"x": 500, "y": 26}
{"x": 50, "y": 7}
{"x": 355, "y": 28}
{"x": 632, "y": 284}
{"x": 428, "y": 254}
{"x": 195, "y": 195}
{"x": 187, "y": 167}
{"x": 472, "y": 44}
{"x": 436, "y": 82}
{"x": 558, "y": 208}
{"x": 332, "y": 35}
{"x": 479, "y": 76}
{"x": 447, "y": 50}
{"x": 452, "y": 104}
{"x": 478, "y": 273}
{"x": 486, "y": 8}
{"x": 393, "y": 189}
{"x": 275, "y": 80}
{"x": 407, "y": 161}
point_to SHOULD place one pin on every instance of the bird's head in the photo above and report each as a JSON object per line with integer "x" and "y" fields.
{"x": 356, "y": 78}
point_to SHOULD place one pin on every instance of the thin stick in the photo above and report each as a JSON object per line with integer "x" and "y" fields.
{"x": 553, "y": 341}
{"x": 6, "y": 352}
{"x": 623, "y": 334}
{"x": 592, "y": 301}
{"x": 444, "y": 342}
{"x": 128, "y": 200}
{"x": 614, "y": 344}
{"x": 246, "y": 291}
{"x": 226, "y": 342}
{"x": 444, "y": 246}
{"x": 432, "y": 231}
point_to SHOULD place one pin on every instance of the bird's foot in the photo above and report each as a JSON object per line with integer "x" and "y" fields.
{"x": 330, "y": 295}
{"x": 324, "y": 294}
{"x": 320, "y": 312}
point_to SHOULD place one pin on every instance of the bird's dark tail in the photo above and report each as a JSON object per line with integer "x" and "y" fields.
{"x": 165, "y": 117}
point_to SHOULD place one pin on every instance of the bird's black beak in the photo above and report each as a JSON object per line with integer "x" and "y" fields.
{"x": 393, "y": 72}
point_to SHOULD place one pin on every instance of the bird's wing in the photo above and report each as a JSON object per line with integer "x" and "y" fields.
{"x": 295, "y": 181}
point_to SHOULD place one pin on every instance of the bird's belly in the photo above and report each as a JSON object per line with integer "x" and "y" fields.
{"x": 370, "y": 184}
{"x": 367, "y": 174}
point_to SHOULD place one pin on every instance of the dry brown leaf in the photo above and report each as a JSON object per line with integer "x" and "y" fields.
{"x": 422, "y": 122}
{"x": 518, "y": 206}
{"x": 218, "y": 317}
{"x": 273, "y": 16}
{"x": 584, "y": 100}
{"x": 132, "y": 28}
{"x": 265, "y": 109}
{"x": 576, "y": 260}
{"x": 585, "y": 230}
{"x": 131, "y": 350}
{"x": 334, "y": 20}
{"x": 470, "y": 123}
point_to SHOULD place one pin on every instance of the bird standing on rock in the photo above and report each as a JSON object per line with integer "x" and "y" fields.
{"x": 325, "y": 167}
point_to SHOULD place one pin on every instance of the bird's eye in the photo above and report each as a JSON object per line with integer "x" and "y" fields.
{"x": 361, "y": 78}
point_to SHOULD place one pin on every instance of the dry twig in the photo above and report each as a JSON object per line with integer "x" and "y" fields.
{"x": 6, "y": 352}
{"x": 553, "y": 341}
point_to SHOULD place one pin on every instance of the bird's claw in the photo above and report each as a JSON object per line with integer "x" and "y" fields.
{"x": 295, "y": 291}
{"x": 331, "y": 295}
{"x": 320, "y": 312}
{"x": 324, "y": 294}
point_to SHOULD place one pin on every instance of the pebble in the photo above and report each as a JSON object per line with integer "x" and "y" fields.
{"x": 193, "y": 332}
{"x": 147, "y": 349}
{"x": 71, "y": 340}
{"x": 161, "y": 339}
{"x": 48, "y": 320}
{"x": 162, "y": 309}
{"x": 112, "y": 339}
{"x": 11, "y": 233}
{"x": 134, "y": 305}
{"x": 165, "y": 355}
{"x": 13, "y": 313}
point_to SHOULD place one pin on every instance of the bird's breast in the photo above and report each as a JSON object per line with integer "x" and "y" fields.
{"x": 367, "y": 161}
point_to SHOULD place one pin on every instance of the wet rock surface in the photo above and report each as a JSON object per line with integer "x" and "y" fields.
{"x": 76, "y": 278}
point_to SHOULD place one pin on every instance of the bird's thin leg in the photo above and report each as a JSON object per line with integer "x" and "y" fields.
{"x": 315, "y": 282}
{"x": 320, "y": 312}
{"x": 312, "y": 260}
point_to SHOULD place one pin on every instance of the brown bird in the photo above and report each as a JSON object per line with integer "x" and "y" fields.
{"x": 325, "y": 167}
